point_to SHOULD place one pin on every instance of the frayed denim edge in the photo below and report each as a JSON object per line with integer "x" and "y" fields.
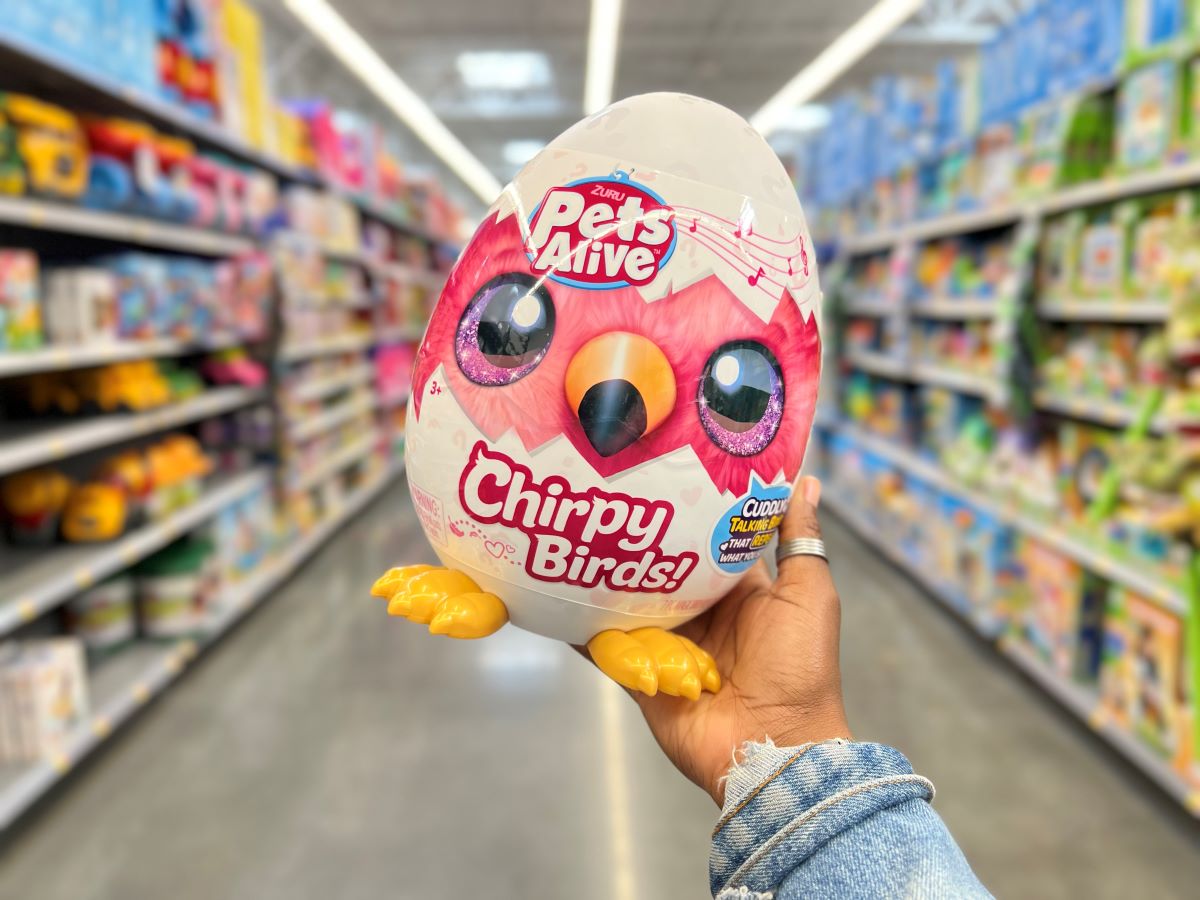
{"x": 743, "y": 893}
{"x": 815, "y": 811}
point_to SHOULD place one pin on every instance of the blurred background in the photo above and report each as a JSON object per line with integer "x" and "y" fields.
{"x": 223, "y": 225}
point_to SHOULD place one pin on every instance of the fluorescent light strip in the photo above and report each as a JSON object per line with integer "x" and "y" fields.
{"x": 356, "y": 54}
{"x": 847, "y": 49}
{"x": 603, "y": 33}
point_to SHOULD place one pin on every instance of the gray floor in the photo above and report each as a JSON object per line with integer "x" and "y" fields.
{"x": 325, "y": 751}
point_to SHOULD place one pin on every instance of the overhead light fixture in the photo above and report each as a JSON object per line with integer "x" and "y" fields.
{"x": 327, "y": 25}
{"x": 847, "y": 49}
{"x": 519, "y": 152}
{"x": 603, "y": 33}
{"x": 808, "y": 117}
{"x": 503, "y": 70}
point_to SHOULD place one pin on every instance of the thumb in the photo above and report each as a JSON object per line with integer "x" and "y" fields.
{"x": 810, "y": 573}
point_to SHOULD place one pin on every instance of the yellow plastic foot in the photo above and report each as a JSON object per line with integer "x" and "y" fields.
{"x": 446, "y": 600}
{"x": 652, "y": 660}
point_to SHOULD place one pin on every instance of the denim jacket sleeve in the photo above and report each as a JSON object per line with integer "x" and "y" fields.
{"x": 835, "y": 819}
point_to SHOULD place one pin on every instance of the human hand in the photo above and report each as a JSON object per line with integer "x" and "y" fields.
{"x": 776, "y": 647}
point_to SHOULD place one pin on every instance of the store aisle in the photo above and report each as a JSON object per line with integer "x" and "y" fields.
{"x": 324, "y": 751}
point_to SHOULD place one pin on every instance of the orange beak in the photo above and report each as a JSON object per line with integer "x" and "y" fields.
{"x": 621, "y": 387}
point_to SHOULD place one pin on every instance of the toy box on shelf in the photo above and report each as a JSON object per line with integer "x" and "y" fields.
{"x": 20, "y": 311}
{"x": 1144, "y": 675}
{"x": 1056, "y": 610}
{"x": 43, "y": 697}
{"x": 879, "y": 405}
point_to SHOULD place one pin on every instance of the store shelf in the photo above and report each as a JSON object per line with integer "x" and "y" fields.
{"x": 58, "y": 357}
{"x": 1169, "y": 177}
{"x": 877, "y": 363}
{"x": 330, "y": 466}
{"x": 397, "y": 335}
{"x": 956, "y": 308}
{"x": 45, "y": 216}
{"x": 98, "y": 91}
{"x": 124, "y": 684}
{"x": 38, "y": 580}
{"x": 343, "y": 343}
{"x": 1098, "y": 560}
{"x": 941, "y": 226}
{"x": 860, "y": 524}
{"x": 23, "y": 445}
{"x": 320, "y": 389}
{"x": 966, "y": 382}
{"x": 871, "y": 307}
{"x": 311, "y": 426}
{"x": 1085, "y": 705}
{"x": 1079, "y": 700}
{"x": 1087, "y": 310}
{"x": 1105, "y": 412}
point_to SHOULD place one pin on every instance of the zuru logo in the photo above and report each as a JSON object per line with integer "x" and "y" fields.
{"x": 601, "y": 233}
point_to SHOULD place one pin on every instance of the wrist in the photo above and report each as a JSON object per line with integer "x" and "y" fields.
{"x": 794, "y": 729}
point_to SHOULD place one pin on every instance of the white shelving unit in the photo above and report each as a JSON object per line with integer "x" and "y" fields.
{"x": 1078, "y": 700}
{"x": 1098, "y": 560}
{"x": 123, "y": 685}
{"x": 1087, "y": 310}
{"x": 325, "y": 387}
{"x": 126, "y": 229}
{"x": 953, "y": 309}
{"x": 1105, "y": 412}
{"x": 38, "y": 580}
{"x": 58, "y": 357}
{"x": 343, "y": 458}
{"x": 342, "y": 343}
{"x": 23, "y": 446}
{"x": 311, "y": 427}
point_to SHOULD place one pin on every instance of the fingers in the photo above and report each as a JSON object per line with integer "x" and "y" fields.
{"x": 808, "y": 572}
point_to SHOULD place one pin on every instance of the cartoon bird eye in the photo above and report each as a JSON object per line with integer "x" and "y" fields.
{"x": 505, "y": 330}
{"x": 741, "y": 397}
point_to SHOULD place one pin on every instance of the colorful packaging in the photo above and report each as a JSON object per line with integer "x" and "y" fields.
{"x": 20, "y": 312}
{"x": 43, "y": 697}
{"x": 103, "y": 617}
{"x": 616, "y": 389}
{"x": 1142, "y": 682}
{"x": 80, "y": 305}
{"x": 174, "y": 589}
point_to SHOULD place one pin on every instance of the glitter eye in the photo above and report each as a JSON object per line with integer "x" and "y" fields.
{"x": 741, "y": 397}
{"x": 505, "y": 330}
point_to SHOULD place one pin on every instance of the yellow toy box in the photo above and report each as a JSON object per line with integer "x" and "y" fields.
{"x": 51, "y": 145}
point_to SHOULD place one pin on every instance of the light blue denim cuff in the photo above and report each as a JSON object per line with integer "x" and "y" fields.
{"x": 782, "y": 804}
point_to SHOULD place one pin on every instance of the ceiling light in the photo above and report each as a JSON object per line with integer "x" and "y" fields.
{"x": 809, "y": 117}
{"x": 357, "y": 55}
{"x": 518, "y": 153}
{"x": 603, "y": 33}
{"x": 500, "y": 70}
{"x": 847, "y": 49}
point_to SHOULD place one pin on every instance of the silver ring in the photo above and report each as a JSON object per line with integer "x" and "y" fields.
{"x": 800, "y": 547}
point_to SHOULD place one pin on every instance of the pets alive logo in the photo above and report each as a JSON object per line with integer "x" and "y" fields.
{"x": 582, "y": 538}
{"x": 601, "y": 233}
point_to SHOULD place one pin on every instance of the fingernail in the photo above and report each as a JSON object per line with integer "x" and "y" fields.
{"x": 811, "y": 490}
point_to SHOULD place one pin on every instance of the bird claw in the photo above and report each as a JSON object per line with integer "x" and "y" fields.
{"x": 650, "y": 660}
{"x": 446, "y": 600}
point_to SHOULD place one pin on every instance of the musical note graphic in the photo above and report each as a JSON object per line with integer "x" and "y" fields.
{"x": 790, "y": 272}
{"x": 693, "y": 228}
{"x": 753, "y": 279}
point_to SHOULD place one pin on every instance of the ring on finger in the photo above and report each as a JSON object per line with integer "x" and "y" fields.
{"x": 800, "y": 547}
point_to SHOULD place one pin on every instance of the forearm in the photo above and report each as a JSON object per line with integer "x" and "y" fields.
{"x": 833, "y": 819}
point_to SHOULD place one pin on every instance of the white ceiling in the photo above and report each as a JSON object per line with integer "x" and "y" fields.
{"x": 737, "y": 53}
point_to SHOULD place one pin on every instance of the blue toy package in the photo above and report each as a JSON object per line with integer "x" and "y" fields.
{"x": 124, "y": 44}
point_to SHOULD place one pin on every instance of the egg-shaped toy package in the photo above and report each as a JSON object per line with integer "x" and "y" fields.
{"x": 614, "y": 393}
